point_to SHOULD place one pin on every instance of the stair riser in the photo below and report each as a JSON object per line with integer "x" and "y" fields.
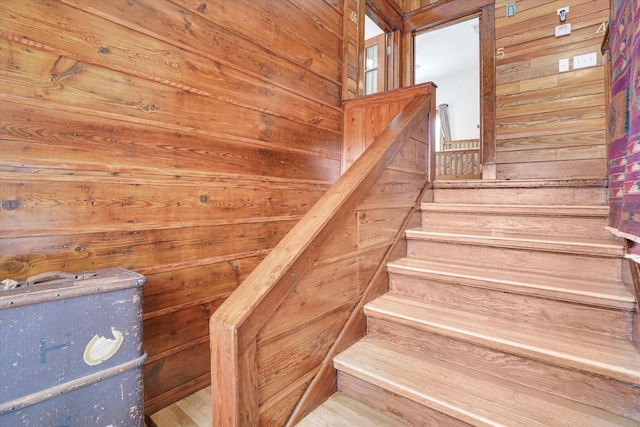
{"x": 598, "y": 391}
{"x": 593, "y": 228}
{"x": 391, "y": 403}
{"x": 523, "y": 196}
{"x": 508, "y": 258}
{"x": 514, "y": 306}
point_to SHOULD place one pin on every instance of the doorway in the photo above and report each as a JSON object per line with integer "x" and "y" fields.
{"x": 375, "y": 57}
{"x": 449, "y": 56}
{"x": 441, "y": 15}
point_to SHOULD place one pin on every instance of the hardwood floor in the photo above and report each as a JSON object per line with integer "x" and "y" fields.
{"x": 192, "y": 411}
{"x": 342, "y": 410}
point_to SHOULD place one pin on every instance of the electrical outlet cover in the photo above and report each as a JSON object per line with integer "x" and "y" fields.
{"x": 586, "y": 60}
{"x": 563, "y": 65}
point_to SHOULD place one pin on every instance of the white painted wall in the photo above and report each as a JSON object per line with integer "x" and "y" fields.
{"x": 450, "y": 57}
{"x": 371, "y": 29}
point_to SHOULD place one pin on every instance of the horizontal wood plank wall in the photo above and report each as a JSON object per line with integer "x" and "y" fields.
{"x": 271, "y": 337}
{"x": 293, "y": 344}
{"x": 353, "y": 45}
{"x": 409, "y": 5}
{"x": 549, "y": 124}
{"x": 181, "y": 139}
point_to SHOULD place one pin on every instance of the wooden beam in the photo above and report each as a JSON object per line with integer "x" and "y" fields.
{"x": 388, "y": 11}
{"x": 488, "y": 86}
{"x": 442, "y": 11}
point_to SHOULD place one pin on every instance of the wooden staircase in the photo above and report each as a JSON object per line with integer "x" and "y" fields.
{"x": 509, "y": 309}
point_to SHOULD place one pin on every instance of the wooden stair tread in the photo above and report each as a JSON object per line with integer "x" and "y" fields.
{"x": 519, "y": 183}
{"x": 471, "y": 396}
{"x": 344, "y": 411}
{"x": 532, "y": 210}
{"x": 607, "y": 293}
{"x": 592, "y": 353}
{"x": 593, "y": 247}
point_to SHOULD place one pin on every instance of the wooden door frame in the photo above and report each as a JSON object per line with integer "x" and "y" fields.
{"x": 388, "y": 16}
{"x": 382, "y": 69}
{"x": 405, "y": 25}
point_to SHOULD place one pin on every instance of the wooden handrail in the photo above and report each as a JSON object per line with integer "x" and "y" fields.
{"x": 235, "y": 326}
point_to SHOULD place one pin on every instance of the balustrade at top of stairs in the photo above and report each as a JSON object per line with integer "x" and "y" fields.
{"x": 458, "y": 160}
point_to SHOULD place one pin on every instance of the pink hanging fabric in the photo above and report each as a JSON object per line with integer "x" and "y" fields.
{"x": 623, "y": 151}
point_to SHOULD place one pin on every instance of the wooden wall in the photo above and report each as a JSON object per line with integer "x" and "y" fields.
{"x": 353, "y": 46}
{"x": 181, "y": 139}
{"x": 274, "y": 333}
{"x": 549, "y": 124}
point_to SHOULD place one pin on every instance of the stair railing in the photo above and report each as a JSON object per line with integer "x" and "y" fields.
{"x": 271, "y": 336}
{"x": 458, "y": 164}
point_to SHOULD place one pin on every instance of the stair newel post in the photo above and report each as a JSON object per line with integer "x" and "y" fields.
{"x": 235, "y": 371}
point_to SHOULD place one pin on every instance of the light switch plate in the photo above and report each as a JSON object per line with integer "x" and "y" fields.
{"x": 563, "y": 30}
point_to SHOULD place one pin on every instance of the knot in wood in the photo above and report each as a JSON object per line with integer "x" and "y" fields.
{"x": 10, "y": 205}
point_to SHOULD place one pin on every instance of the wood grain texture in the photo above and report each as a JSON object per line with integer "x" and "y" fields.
{"x": 549, "y": 192}
{"x": 584, "y": 221}
{"x": 193, "y": 411}
{"x": 410, "y": 412}
{"x": 520, "y": 252}
{"x": 536, "y": 103}
{"x": 344, "y": 411}
{"x": 180, "y": 139}
{"x": 324, "y": 383}
{"x": 501, "y": 301}
{"x": 296, "y": 302}
{"x": 465, "y": 394}
{"x": 429, "y": 15}
{"x": 608, "y": 356}
{"x": 516, "y": 336}
{"x": 618, "y": 398}
{"x": 353, "y": 46}
{"x": 221, "y": 83}
{"x": 387, "y": 13}
{"x": 365, "y": 118}
{"x": 32, "y": 136}
{"x": 436, "y": 13}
